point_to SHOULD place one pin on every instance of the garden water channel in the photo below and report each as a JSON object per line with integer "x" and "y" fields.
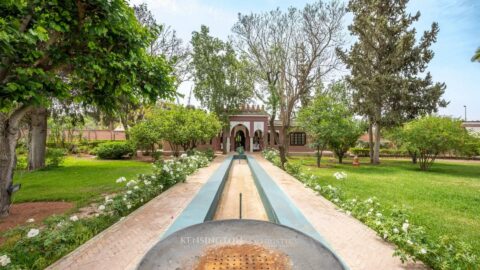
{"x": 241, "y": 219}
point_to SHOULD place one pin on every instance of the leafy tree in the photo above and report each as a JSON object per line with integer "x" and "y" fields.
{"x": 183, "y": 127}
{"x": 292, "y": 51}
{"x": 351, "y": 129}
{"x": 222, "y": 81}
{"x": 91, "y": 52}
{"x": 431, "y": 135}
{"x": 388, "y": 67}
{"x": 328, "y": 122}
{"x": 476, "y": 56}
{"x": 144, "y": 136}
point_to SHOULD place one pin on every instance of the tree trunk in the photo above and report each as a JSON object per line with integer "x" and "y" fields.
{"x": 9, "y": 130}
{"x": 376, "y": 149}
{"x": 282, "y": 146}
{"x": 370, "y": 140}
{"x": 273, "y": 133}
{"x": 414, "y": 158}
{"x": 340, "y": 159}
{"x": 319, "y": 154}
{"x": 37, "y": 143}
{"x": 226, "y": 133}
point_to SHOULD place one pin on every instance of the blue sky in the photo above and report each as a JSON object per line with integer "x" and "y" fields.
{"x": 459, "y": 37}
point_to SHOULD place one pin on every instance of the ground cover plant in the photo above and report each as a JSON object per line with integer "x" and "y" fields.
{"x": 430, "y": 216}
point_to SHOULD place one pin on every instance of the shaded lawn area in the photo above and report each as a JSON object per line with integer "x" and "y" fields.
{"x": 445, "y": 200}
{"x": 78, "y": 180}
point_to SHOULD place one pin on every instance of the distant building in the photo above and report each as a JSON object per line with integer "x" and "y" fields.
{"x": 250, "y": 129}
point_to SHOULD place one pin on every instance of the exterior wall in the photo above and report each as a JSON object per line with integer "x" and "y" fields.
{"x": 93, "y": 135}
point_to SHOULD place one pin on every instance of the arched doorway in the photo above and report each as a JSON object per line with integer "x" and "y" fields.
{"x": 240, "y": 139}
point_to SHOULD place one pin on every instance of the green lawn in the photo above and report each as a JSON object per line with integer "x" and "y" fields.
{"x": 445, "y": 200}
{"x": 78, "y": 180}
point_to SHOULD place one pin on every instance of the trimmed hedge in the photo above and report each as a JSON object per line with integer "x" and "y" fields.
{"x": 114, "y": 150}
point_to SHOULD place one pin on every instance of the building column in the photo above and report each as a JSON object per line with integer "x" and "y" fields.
{"x": 228, "y": 144}
{"x": 251, "y": 144}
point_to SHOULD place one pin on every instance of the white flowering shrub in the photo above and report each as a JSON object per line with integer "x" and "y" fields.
{"x": 411, "y": 241}
{"x": 35, "y": 247}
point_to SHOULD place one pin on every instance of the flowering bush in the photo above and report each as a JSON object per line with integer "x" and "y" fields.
{"x": 33, "y": 247}
{"x": 411, "y": 241}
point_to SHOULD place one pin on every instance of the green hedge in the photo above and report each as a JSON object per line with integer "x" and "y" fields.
{"x": 365, "y": 152}
{"x": 114, "y": 150}
{"x": 361, "y": 152}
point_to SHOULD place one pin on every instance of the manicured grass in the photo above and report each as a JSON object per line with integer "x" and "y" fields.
{"x": 445, "y": 200}
{"x": 78, "y": 180}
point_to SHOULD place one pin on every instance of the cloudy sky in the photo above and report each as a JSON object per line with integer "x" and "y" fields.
{"x": 459, "y": 37}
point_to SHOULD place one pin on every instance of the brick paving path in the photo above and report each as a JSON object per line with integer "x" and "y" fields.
{"x": 354, "y": 242}
{"x": 123, "y": 245}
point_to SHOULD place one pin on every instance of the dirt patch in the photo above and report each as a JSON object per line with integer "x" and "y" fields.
{"x": 21, "y": 212}
{"x": 247, "y": 256}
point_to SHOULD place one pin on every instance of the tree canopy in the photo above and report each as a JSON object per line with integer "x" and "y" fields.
{"x": 388, "y": 67}
{"x": 432, "y": 135}
{"x": 89, "y": 52}
{"x": 223, "y": 82}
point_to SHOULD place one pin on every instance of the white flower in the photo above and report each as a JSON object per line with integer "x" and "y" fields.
{"x": 378, "y": 214}
{"x": 183, "y": 156}
{"x": 129, "y": 206}
{"x": 30, "y": 220}
{"x": 4, "y": 260}
{"x": 409, "y": 242}
{"x": 354, "y": 200}
{"x": 60, "y": 224}
{"x": 395, "y": 230}
{"x": 147, "y": 183}
{"x": 349, "y": 213}
{"x": 131, "y": 183}
{"x": 74, "y": 218}
{"x": 101, "y": 207}
{"x": 423, "y": 251}
{"x": 166, "y": 168}
{"x": 135, "y": 187}
{"x": 318, "y": 187}
{"x": 385, "y": 235}
{"x": 33, "y": 233}
{"x": 335, "y": 200}
{"x": 129, "y": 192}
{"x": 369, "y": 200}
{"x": 405, "y": 227}
{"x": 121, "y": 179}
{"x": 378, "y": 222}
{"x": 340, "y": 175}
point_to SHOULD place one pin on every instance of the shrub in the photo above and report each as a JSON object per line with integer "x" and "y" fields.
{"x": 55, "y": 157}
{"x": 361, "y": 152}
{"x": 114, "y": 150}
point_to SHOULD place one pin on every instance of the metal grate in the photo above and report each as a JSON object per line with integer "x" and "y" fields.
{"x": 243, "y": 257}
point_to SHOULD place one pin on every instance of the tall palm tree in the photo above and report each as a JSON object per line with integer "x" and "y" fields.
{"x": 476, "y": 57}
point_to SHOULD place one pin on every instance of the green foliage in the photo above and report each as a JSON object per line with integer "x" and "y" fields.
{"x": 431, "y": 135}
{"x": 114, "y": 150}
{"x": 222, "y": 81}
{"x": 99, "y": 46}
{"x": 361, "y": 152}
{"x": 183, "y": 127}
{"x": 329, "y": 122}
{"x": 476, "y": 56}
{"x": 55, "y": 157}
{"x": 144, "y": 136}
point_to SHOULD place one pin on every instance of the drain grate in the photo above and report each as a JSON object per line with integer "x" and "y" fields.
{"x": 243, "y": 257}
